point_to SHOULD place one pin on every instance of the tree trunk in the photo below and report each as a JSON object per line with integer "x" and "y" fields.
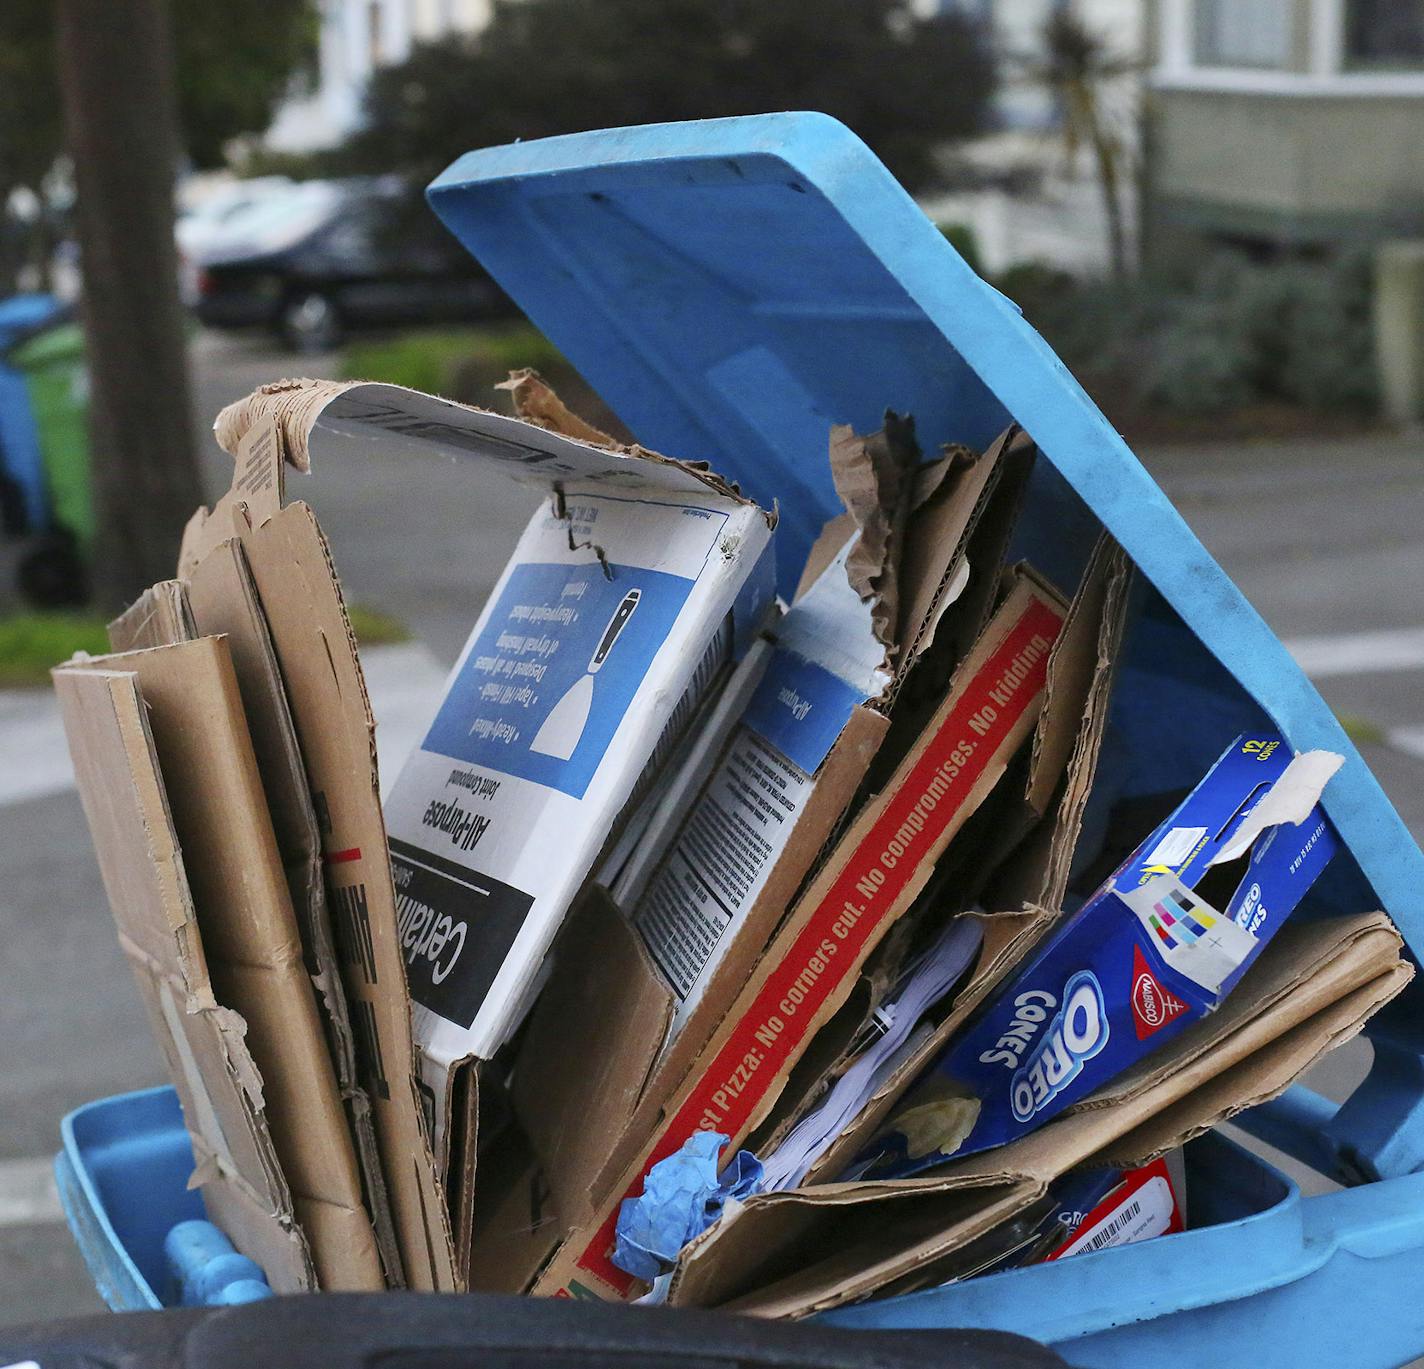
{"x": 1106, "y": 152}
{"x": 116, "y": 77}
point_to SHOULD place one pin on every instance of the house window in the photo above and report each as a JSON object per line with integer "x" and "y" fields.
{"x": 1384, "y": 33}
{"x": 1245, "y": 33}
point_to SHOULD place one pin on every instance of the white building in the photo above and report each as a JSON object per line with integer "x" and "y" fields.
{"x": 357, "y": 38}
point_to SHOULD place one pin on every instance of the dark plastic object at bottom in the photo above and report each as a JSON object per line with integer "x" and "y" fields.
{"x": 431, "y": 1331}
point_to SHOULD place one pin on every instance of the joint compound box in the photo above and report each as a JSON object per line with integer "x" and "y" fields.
{"x": 1145, "y": 956}
{"x": 629, "y": 593}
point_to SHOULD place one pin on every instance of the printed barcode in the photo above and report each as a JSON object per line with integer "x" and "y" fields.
{"x": 1103, "y": 1235}
{"x": 368, "y": 1048}
{"x": 353, "y": 929}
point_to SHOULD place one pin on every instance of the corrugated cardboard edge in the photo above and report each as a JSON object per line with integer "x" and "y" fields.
{"x": 159, "y": 616}
{"x": 1262, "y": 1047}
{"x": 1067, "y": 741}
{"x": 875, "y": 478}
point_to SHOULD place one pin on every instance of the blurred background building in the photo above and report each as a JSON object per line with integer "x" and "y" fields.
{"x": 1287, "y": 122}
{"x": 357, "y": 38}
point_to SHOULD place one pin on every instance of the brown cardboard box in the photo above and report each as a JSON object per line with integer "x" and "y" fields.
{"x": 872, "y": 877}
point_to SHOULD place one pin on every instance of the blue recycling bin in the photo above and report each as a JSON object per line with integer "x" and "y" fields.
{"x": 733, "y": 287}
{"x": 21, "y": 457}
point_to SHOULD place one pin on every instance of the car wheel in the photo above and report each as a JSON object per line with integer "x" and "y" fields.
{"x": 310, "y": 323}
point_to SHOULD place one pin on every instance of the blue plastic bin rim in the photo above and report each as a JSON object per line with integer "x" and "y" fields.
{"x": 22, "y": 314}
{"x": 733, "y": 286}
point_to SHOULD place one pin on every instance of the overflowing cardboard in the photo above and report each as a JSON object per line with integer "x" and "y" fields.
{"x": 743, "y": 824}
{"x": 792, "y": 1254}
{"x": 874, "y": 874}
{"x": 1039, "y": 825}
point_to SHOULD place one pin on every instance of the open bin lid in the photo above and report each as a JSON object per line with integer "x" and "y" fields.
{"x": 733, "y": 286}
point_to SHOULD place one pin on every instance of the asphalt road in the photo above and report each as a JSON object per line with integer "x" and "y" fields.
{"x": 1326, "y": 538}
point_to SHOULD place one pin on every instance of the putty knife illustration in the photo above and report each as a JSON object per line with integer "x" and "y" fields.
{"x": 560, "y": 734}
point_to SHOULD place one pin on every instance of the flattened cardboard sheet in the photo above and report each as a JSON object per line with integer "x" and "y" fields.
{"x": 124, "y": 800}
{"x": 250, "y": 941}
{"x": 224, "y": 600}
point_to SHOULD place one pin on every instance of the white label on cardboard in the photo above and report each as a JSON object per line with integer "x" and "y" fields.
{"x": 1176, "y": 846}
{"x": 720, "y": 862}
{"x": 824, "y": 666}
{"x": 583, "y": 650}
{"x": 1144, "y": 1212}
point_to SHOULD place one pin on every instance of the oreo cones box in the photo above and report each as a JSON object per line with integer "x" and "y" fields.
{"x": 1156, "y": 948}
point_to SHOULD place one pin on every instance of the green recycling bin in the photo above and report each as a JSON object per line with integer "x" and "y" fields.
{"x": 57, "y": 378}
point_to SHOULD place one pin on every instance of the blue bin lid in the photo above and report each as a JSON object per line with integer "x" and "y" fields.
{"x": 715, "y": 282}
{"x": 732, "y": 286}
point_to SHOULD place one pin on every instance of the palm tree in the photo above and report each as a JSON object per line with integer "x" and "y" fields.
{"x": 1080, "y": 69}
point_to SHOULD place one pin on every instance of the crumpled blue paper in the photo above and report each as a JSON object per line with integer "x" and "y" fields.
{"x": 682, "y": 1196}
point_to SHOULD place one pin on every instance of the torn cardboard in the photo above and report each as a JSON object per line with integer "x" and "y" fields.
{"x": 793, "y": 1254}
{"x": 159, "y": 616}
{"x": 141, "y": 862}
{"x": 301, "y": 600}
{"x": 223, "y": 600}
{"x": 1060, "y": 765}
{"x": 250, "y": 941}
{"x": 873, "y": 876}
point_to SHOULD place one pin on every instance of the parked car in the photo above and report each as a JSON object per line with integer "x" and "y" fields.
{"x": 338, "y": 255}
{"x": 209, "y": 216}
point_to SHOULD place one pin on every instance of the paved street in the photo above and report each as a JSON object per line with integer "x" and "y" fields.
{"x": 1326, "y": 538}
